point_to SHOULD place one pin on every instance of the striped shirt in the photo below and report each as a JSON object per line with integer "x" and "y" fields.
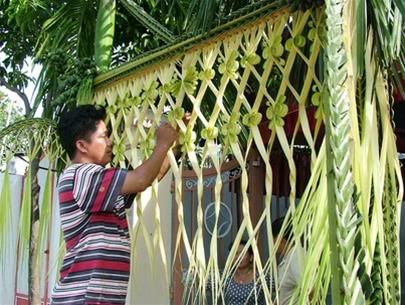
{"x": 96, "y": 265}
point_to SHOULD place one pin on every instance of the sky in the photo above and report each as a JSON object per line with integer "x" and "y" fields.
{"x": 33, "y": 71}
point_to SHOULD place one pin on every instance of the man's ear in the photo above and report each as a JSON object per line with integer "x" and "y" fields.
{"x": 81, "y": 146}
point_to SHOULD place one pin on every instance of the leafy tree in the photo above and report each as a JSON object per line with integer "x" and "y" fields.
{"x": 17, "y": 45}
{"x": 10, "y": 111}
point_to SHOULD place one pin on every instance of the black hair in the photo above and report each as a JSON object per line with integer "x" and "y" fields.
{"x": 276, "y": 228}
{"x": 76, "y": 124}
{"x": 242, "y": 242}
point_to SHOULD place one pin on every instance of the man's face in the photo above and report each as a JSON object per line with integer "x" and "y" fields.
{"x": 99, "y": 147}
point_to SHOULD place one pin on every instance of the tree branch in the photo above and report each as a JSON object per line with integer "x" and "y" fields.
{"x": 21, "y": 94}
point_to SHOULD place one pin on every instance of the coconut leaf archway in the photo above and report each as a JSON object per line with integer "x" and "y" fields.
{"x": 242, "y": 77}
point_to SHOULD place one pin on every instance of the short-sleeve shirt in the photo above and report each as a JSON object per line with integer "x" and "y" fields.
{"x": 96, "y": 265}
{"x": 290, "y": 271}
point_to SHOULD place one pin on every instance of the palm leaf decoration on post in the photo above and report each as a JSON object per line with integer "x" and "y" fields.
{"x": 343, "y": 217}
{"x": 28, "y": 138}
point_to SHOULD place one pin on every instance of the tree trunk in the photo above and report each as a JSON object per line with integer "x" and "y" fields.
{"x": 34, "y": 276}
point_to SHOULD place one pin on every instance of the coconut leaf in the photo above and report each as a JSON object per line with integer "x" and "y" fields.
{"x": 104, "y": 34}
{"x": 44, "y": 222}
{"x": 24, "y": 228}
{"x": 5, "y": 220}
{"x": 148, "y": 21}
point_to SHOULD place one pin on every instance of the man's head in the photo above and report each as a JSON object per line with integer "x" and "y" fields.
{"x": 84, "y": 136}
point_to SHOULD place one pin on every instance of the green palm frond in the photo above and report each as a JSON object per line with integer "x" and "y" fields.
{"x": 71, "y": 28}
{"x": 70, "y": 32}
{"x": 401, "y": 6}
{"x": 398, "y": 69}
{"x": 24, "y": 227}
{"x": 342, "y": 217}
{"x": 386, "y": 17}
{"x": 44, "y": 220}
{"x": 104, "y": 35}
{"x": 27, "y": 124}
{"x": 200, "y": 14}
{"x": 148, "y": 21}
{"x": 204, "y": 15}
{"x": 30, "y": 136}
{"x": 5, "y": 220}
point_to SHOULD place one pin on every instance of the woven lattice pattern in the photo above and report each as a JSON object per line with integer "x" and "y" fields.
{"x": 268, "y": 90}
{"x": 270, "y": 84}
{"x": 231, "y": 85}
{"x": 28, "y": 137}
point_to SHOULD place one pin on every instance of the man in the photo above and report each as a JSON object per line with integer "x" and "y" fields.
{"x": 92, "y": 202}
{"x": 292, "y": 262}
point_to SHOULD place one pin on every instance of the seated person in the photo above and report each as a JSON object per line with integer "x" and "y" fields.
{"x": 241, "y": 287}
{"x": 291, "y": 265}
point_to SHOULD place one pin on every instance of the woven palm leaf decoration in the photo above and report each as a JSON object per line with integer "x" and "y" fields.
{"x": 31, "y": 139}
{"x": 346, "y": 219}
{"x": 239, "y": 81}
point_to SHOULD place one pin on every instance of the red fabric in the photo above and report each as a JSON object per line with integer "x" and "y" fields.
{"x": 290, "y": 121}
{"x": 97, "y": 264}
{"x": 104, "y": 187}
{"x": 281, "y": 172}
{"x": 105, "y": 218}
{"x": 65, "y": 197}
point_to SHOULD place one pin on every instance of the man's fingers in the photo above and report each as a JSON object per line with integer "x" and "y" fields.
{"x": 187, "y": 117}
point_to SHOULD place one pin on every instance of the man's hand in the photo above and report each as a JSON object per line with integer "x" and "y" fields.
{"x": 139, "y": 179}
{"x": 186, "y": 118}
{"x": 176, "y": 150}
{"x": 166, "y": 135}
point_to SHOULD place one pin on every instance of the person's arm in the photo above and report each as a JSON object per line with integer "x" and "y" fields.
{"x": 163, "y": 169}
{"x": 176, "y": 150}
{"x": 139, "y": 179}
{"x": 166, "y": 164}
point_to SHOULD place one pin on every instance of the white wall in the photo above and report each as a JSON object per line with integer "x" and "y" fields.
{"x": 149, "y": 286}
{"x": 17, "y": 274}
{"x": 8, "y": 275}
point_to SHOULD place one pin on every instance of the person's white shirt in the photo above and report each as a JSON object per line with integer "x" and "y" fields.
{"x": 289, "y": 271}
